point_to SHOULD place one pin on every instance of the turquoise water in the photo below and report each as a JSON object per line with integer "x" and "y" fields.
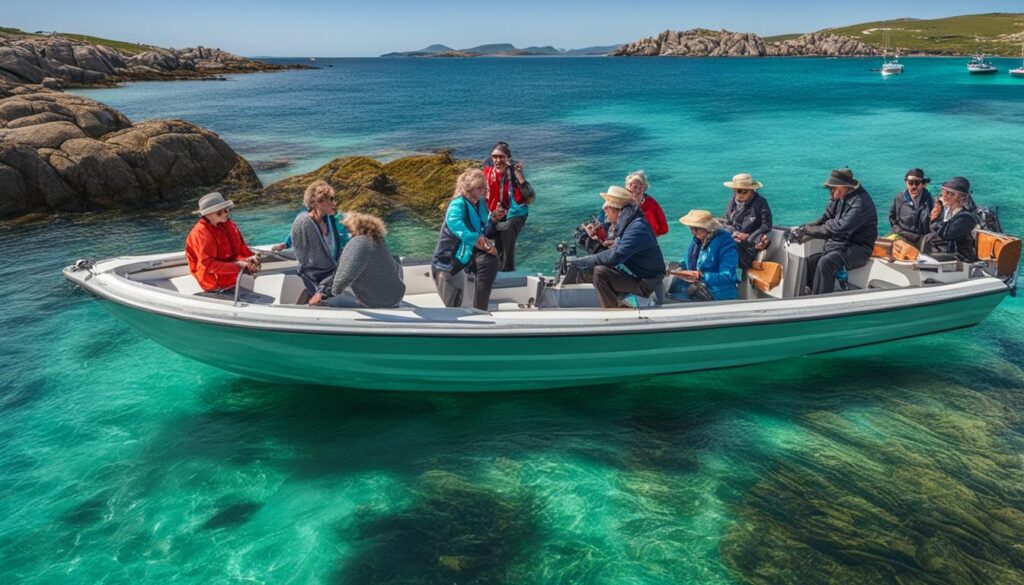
{"x": 122, "y": 462}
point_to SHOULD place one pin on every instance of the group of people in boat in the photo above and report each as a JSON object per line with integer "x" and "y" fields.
{"x": 344, "y": 260}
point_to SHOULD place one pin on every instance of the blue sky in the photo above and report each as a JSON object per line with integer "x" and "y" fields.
{"x": 354, "y": 29}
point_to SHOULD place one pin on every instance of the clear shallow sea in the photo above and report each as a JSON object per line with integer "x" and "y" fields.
{"x": 122, "y": 462}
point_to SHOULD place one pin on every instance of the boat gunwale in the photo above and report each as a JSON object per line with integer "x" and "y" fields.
{"x": 621, "y": 322}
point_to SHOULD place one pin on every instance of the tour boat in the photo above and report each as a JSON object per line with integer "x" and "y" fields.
{"x": 540, "y": 332}
{"x": 1019, "y": 72}
{"x": 980, "y": 66}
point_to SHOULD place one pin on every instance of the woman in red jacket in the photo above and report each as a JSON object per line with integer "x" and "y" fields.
{"x": 637, "y": 184}
{"x": 215, "y": 249}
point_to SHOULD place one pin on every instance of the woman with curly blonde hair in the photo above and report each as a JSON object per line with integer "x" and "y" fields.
{"x": 367, "y": 266}
{"x": 317, "y": 239}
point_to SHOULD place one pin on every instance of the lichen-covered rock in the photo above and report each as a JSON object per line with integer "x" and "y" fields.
{"x": 421, "y": 184}
{"x": 821, "y": 45}
{"x": 701, "y": 42}
{"x": 60, "y": 152}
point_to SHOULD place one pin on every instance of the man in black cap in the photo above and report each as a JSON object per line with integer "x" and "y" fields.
{"x": 850, "y": 226}
{"x": 909, "y": 213}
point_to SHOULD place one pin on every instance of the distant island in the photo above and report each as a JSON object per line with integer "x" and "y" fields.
{"x": 994, "y": 34}
{"x": 504, "y": 50}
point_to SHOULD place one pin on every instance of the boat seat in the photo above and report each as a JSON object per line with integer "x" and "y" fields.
{"x": 764, "y": 276}
{"x": 186, "y": 284}
{"x": 1002, "y": 250}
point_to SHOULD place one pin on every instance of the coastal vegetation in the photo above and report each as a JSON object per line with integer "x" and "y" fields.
{"x": 121, "y": 46}
{"x": 996, "y": 34}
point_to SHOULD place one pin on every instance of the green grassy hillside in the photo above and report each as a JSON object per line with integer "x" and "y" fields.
{"x": 996, "y": 34}
{"x": 126, "y": 48}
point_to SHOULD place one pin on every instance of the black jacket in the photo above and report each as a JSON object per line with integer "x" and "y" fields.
{"x": 851, "y": 221}
{"x": 954, "y": 236}
{"x": 908, "y": 217}
{"x": 753, "y": 217}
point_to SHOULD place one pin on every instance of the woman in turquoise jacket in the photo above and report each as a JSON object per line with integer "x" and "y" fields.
{"x": 708, "y": 272}
{"x": 466, "y": 244}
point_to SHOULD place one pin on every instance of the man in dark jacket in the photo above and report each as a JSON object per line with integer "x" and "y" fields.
{"x": 633, "y": 264}
{"x": 850, "y": 226}
{"x": 910, "y": 209}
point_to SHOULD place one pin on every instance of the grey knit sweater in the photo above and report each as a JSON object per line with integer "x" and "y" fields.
{"x": 316, "y": 265}
{"x": 366, "y": 264}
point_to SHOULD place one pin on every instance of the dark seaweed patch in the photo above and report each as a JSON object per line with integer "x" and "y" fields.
{"x": 232, "y": 516}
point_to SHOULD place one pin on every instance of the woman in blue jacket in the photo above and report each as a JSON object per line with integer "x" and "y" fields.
{"x": 708, "y": 272}
{"x": 466, "y": 243}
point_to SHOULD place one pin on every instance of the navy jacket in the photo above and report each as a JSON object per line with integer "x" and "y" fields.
{"x": 908, "y": 217}
{"x": 852, "y": 221}
{"x": 954, "y": 236}
{"x": 637, "y": 249}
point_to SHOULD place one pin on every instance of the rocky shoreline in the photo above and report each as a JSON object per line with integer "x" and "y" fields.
{"x": 55, "y": 62}
{"x": 700, "y": 42}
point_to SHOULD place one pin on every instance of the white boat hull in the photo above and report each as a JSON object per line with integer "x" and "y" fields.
{"x": 441, "y": 349}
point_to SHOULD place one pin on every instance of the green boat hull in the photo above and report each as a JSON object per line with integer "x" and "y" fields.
{"x": 480, "y": 363}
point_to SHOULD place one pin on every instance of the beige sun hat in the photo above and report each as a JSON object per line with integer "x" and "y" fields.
{"x": 213, "y": 202}
{"x": 617, "y": 197}
{"x": 700, "y": 218}
{"x": 743, "y": 181}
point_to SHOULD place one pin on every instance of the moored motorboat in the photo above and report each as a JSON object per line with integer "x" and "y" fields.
{"x": 980, "y": 66}
{"x": 539, "y": 332}
{"x": 1019, "y": 72}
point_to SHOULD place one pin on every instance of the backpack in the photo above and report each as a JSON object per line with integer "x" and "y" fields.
{"x": 988, "y": 219}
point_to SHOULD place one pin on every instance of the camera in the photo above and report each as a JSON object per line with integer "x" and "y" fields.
{"x": 564, "y": 247}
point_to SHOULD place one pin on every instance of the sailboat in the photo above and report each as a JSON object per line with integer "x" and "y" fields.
{"x": 1019, "y": 72}
{"x": 890, "y": 66}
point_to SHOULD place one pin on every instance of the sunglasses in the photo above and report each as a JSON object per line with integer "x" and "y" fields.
{"x": 914, "y": 182}
{"x": 498, "y": 157}
{"x": 743, "y": 191}
{"x": 221, "y": 212}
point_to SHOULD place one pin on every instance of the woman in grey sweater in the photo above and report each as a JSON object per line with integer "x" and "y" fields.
{"x": 316, "y": 239}
{"x": 367, "y": 265}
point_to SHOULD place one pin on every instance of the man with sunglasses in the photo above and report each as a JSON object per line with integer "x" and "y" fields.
{"x": 215, "y": 248}
{"x": 911, "y": 208}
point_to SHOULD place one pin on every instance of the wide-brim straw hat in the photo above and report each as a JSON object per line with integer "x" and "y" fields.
{"x": 617, "y": 197}
{"x": 841, "y": 178}
{"x": 212, "y": 203}
{"x": 743, "y": 181}
{"x": 699, "y": 218}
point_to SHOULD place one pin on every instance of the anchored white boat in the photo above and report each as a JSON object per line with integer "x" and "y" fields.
{"x": 1019, "y": 72}
{"x": 980, "y": 66}
{"x": 538, "y": 332}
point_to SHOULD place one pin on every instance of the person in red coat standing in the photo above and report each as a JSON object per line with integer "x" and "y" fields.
{"x": 637, "y": 184}
{"x": 508, "y": 194}
{"x": 215, "y": 248}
